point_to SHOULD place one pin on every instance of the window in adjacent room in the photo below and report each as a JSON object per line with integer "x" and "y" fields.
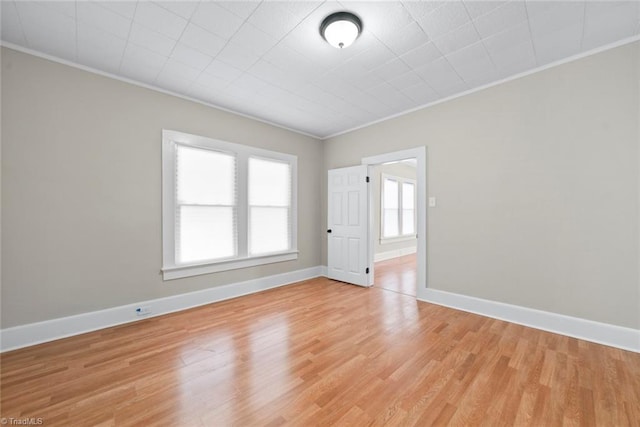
{"x": 225, "y": 205}
{"x": 398, "y": 211}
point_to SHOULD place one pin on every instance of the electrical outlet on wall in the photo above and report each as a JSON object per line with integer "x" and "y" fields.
{"x": 143, "y": 311}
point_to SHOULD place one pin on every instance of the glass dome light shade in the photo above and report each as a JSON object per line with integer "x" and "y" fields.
{"x": 341, "y": 29}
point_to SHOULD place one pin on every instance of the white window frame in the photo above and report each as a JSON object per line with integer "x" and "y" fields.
{"x": 401, "y": 237}
{"x": 170, "y": 268}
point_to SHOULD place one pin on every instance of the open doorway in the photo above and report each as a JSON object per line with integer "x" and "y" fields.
{"x": 394, "y": 220}
{"x": 399, "y": 256}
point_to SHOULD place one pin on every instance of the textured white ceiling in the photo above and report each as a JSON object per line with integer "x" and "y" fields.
{"x": 267, "y": 59}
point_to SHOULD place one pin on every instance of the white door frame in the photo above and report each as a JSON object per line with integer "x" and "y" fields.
{"x": 420, "y": 154}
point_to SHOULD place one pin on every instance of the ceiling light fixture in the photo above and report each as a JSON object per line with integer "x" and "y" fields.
{"x": 340, "y": 29}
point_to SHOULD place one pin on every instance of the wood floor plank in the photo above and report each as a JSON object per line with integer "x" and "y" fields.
{"x": 322, "y": 353}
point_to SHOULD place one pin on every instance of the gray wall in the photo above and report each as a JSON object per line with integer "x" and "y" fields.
{"x": 537, "y": 187}
{"x": 537, "y": 181}
{"x": 81, "y": 176}
{"x": 402, "y": 170}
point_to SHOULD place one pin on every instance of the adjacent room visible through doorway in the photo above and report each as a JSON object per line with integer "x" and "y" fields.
{"x": 394, "y": 225}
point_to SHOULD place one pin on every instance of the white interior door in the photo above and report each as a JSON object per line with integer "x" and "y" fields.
{"x": 348, "y": 225}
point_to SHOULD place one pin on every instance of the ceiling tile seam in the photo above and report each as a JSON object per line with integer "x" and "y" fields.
{"x": 584, "y": 23}
{"x": 331, "y": 110}
{"x": 177, "y": 40}
{"x": 442, "y": 55}
{"x": 114, "y": 11}
{"x": 428, "y": 41}
{"x": 482, "y": 39}
{"x": 525, "y": 73}
{"x": 191, "y": 47}
{"x": 396, "y": 57}
{"x": 24, "y": 33}
{"x": 360, "y": 109}
{"x": 135, "y": 10}
{"x": 245, "y": 21}
{"x": 451, "y": 30}
{"x": 173, "y": 49}
{"x": 355, "y": 107}
{"x": 346, "y": 100}
{"x": 234, "y": 13}
{"x": 160, "y": 3}
{"x": 448, "y": 62}
{"x": 454, "y": 70}
{"x": 76, "y": 53}
{"x": 507, "y": 29}
{"x": 128, "y": 41}
{"x": 192, "y": 83}
{"x": 311, "y": 12}
{"x": 300, "y": 21}
{"x": 303, "y": 54}
{"x": 295, "y": 94}
{"x": 533, "y": 45}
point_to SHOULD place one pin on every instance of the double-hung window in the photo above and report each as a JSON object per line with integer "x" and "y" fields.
{"x": 225, "y": 205}
{"x": 269, "y": 205}
{"x": 398, "y": 207}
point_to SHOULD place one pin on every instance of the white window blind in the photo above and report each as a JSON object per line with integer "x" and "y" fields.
{"x": 205, "y": 205}
{"x": 269, "y": 206}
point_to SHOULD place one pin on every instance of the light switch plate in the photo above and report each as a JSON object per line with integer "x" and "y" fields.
{"x": 432, "y": 202}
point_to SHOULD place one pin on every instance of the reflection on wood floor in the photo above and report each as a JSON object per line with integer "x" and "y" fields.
{"x": 397, "y": 275}
{"x": 322, "y": 353}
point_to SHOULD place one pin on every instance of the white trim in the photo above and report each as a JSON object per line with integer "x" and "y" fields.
{"x": 146, "y": 86}
{"x": 392, "y": 240}
{"x": 420, "y": 154}
{"x": 181, "y": 271}
{"x": 492, "y": 84}
{"x": 36, "y": 333}
{"x": 397, "y": 253}
{"x": 324, "y": 271}
{"x": 588, "y": 330}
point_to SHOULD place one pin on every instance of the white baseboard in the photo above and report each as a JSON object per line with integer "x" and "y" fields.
{"x": 588, "y": 330}
{"x": 36, "y": 333}
{"x": 396, "y": 253}
{"x": 324, "y": 270}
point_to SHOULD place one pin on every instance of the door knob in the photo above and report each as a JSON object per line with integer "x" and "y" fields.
{"x": 329, "y": 231}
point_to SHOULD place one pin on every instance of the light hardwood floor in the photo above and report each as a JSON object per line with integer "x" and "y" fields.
{"x": 397, "y": 274}
{"x": 322, "y": 353}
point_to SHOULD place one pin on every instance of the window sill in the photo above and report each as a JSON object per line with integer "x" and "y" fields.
{"x": 390, "y": 240}
{"x": 177, "y": 272}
